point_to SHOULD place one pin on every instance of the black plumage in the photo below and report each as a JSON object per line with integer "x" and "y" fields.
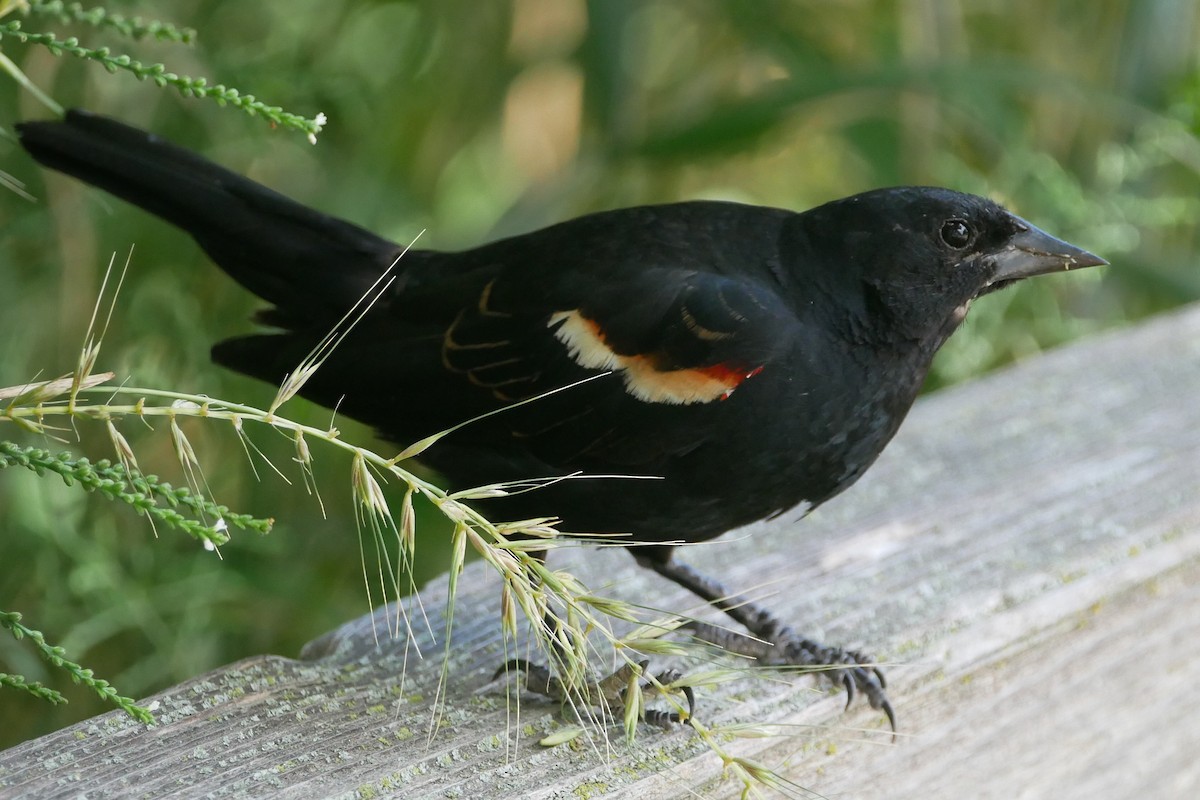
{"x": 759, "y": 359}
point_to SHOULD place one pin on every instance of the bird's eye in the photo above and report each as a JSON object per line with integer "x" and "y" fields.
{"x": 956, "y": 233}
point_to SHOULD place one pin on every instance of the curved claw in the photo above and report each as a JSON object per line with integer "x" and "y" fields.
{"x": 886, "y": 706}
{"x": 691, "y": 698}
{"x": 873, "y": 686}
{"x": 673, "y": 717}
{"x": 855, "y": 678}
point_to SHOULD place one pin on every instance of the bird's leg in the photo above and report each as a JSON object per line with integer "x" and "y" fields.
{"x": 775, "y": 644}
{"x": 610, "y": 692}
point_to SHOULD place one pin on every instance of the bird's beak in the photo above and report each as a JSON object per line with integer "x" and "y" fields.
{"x": 1031, "y": 251}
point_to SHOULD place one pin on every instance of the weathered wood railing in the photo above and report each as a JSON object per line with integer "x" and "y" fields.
{"x": 1026, "y": 555}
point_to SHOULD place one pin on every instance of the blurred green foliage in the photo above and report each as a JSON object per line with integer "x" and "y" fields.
{"x": 470, "y": 120}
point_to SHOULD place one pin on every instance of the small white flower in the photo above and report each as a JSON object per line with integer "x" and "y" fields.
{"x": 320, "y": 121}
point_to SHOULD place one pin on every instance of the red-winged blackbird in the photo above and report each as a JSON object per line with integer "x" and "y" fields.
{"x": 759, "y": 360}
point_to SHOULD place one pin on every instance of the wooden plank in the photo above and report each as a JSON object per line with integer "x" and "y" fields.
{"x": 1026, "y": 555}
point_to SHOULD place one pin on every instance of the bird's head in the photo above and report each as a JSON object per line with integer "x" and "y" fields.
{"x": 909, "y": 260}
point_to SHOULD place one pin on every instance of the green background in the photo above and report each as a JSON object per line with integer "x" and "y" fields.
{"x": 472, "y": 119}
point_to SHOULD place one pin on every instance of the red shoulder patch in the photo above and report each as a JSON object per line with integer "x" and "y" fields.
{"x": 585, "y": 342}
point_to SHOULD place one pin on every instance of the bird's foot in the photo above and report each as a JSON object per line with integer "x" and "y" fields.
{"x": 613, "y": 692}
{"x": 850, "y": 668}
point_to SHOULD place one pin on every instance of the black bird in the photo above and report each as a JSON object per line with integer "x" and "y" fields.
{"x": 759, "y": 359}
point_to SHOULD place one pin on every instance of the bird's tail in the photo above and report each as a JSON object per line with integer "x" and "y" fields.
{"x": 304, "y": 262}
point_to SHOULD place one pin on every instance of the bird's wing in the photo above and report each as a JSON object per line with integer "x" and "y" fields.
{"x": 672, "y": 336}
{"x": 667, "y": 337}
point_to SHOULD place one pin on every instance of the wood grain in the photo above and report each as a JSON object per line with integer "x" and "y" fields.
{"x": 1025, "y": 555}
